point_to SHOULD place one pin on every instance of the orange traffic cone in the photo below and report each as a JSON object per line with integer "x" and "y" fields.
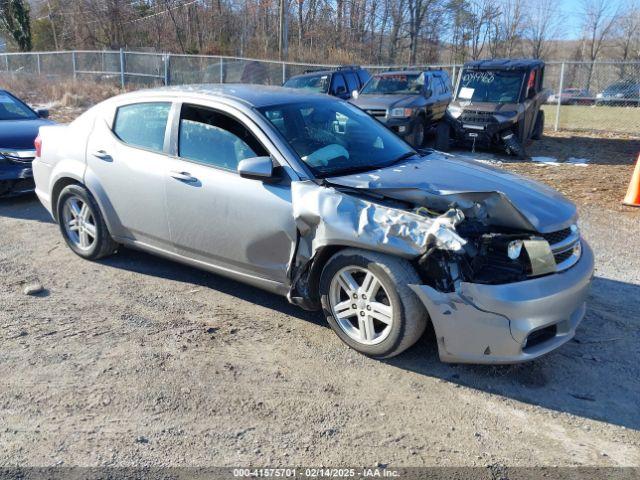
{"x": 633, "y": 194}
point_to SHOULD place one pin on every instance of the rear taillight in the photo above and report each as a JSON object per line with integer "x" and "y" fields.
{"x": 38, "y": 144}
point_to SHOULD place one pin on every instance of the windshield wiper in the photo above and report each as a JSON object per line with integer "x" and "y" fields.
{"x": 402, "y": 157}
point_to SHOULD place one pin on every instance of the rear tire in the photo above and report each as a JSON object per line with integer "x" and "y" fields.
{"x": 368, "y": 303}
{"x": 82, "y": 225}
{"x": 443, "y": 136}
{"x": 538, "y": 129}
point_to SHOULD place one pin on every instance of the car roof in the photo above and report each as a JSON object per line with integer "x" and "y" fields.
{"x": 250, "y": 95}
{"x": 504, "y": 64}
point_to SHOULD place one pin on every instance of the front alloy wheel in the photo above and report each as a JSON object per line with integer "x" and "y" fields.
{"x": 368, "y": 303}
{"x": 361, "y": 305}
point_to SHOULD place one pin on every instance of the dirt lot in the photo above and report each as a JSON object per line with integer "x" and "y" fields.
{"x": 135, "y": 360}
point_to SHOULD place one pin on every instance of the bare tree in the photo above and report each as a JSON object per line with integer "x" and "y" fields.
{"x": 543, "y": 22}
{"x": 599, "y": 18}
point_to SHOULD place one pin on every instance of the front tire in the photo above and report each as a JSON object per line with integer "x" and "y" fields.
{"x": 368, "y": 303}
{"x": 419, "y": 133}
{"x": 443, "y": 136}
{"x": 82, "y": 225}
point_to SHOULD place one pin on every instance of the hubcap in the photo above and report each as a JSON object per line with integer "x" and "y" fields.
{"x": 79, "y": 223}
{"x": 361, "y": 305}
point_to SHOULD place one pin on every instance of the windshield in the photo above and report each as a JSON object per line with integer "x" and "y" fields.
{"x": 312, "y": 83}
{"x": 492, "y": 86}
{"x": 334, "y": 138}
{"x": 13, "y": 109}
{"x": 395, "y": 84}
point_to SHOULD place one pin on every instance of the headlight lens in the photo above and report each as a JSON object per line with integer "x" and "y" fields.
{"x": 401, "y": 112}
{"x": 514, "y": 249}
{"x": 454, "y": 111}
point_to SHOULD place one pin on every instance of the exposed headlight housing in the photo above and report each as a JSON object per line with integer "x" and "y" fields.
{"x": 514, "y": 249}
{"x": 454, "y": 111}
{"x": 401, "y": 112}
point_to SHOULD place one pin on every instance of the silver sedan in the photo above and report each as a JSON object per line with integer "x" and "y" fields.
{"x": 307, "y": 196}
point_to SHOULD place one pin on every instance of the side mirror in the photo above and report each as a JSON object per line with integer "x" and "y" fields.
{"x": 428, "y": 93}
{"x": 355, "y": 94}
{"x": 43, "y": 113}
{"x": 256, "y": 168}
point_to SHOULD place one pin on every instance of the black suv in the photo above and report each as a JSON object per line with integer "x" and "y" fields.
{"x": 409, "y": 102}
{"x": 341, "y": 82}
{"x": 497, "y": 103}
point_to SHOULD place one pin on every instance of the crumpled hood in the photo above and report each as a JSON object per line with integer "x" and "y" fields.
{"x": 20, "y": 134}
{"x": 366, "y": 102}
{"x": 438, "y": 180}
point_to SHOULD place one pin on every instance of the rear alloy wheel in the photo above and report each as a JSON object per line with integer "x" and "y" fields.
{"x": 368, "y": 303}
{"x": 82, "y": 225}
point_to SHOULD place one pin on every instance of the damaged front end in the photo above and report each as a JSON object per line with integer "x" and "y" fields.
{"x": 485, "y": 270}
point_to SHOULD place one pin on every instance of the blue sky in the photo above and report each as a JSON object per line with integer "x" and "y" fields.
{"x": 571, "y": 12}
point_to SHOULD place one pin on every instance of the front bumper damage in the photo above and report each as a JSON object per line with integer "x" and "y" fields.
{"x": 15, "y": 179}
{"x": 506, "y": 320}
{"x": 496, "y": 323}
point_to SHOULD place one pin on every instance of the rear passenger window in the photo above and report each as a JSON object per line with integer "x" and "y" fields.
{"x": 142, "y": 124}
{"x": 215, "y": 139}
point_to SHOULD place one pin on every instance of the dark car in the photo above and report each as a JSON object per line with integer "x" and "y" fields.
{"x": 340, "y": 83}
{"x": 497, "y": 104}
{"x": 572, "y": 96}
{"x": 409, "y": 102}
{"x": 19, "y": 126}
{"x": 625, "y": 94}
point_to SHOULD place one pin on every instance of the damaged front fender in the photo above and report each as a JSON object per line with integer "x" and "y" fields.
{"x": 326, "y": 216}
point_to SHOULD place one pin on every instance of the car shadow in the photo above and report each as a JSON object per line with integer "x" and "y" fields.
{"x": 147, "y": 264}
{"x": 596, "y": 375}
{"x": 24, "y": 207}
{"x": 596, "y": 150}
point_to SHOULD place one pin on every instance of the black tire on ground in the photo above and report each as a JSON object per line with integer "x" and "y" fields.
{"x": 514, "y": 146}
{"x": 409, "y": 318}
{"x": 538, "y": 129}
{"x": 443, "y": 136}
{"x": 103, "y": 245}
{"x": 419, "y": 133}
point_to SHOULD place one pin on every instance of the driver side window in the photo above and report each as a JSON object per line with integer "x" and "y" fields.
{"x": 214, "y": 138}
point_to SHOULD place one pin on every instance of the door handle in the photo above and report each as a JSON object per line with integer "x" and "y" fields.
{"x": 102, "y": 155}
{"x": 183, "y": 177}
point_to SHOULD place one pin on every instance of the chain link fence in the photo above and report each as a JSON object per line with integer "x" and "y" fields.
{"x": 600, "y": 96}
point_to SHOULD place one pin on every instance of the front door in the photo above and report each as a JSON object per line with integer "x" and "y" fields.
{"x": 130, "y": 167}
{"x": 215, "y": 215}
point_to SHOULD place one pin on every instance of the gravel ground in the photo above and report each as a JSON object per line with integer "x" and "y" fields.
{"x": 136, "y": 360}
{"x": 139, "y": 361}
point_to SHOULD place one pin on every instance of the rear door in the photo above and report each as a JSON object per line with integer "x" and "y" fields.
{"x": 216, "y": 216}
{"x": 126, "y": 165}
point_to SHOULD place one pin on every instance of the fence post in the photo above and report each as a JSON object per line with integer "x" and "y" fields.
{"x": 6, "y": 62}
{"x": 167, "y": 59}
{"x": 73, "y": 64}
{"x": 38, "y": 63}
{"x": 221, "y": 70}
{"x": 122, "y": 68}
{"x": 284, "y": 72}
{"x": 555, "y": 128}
